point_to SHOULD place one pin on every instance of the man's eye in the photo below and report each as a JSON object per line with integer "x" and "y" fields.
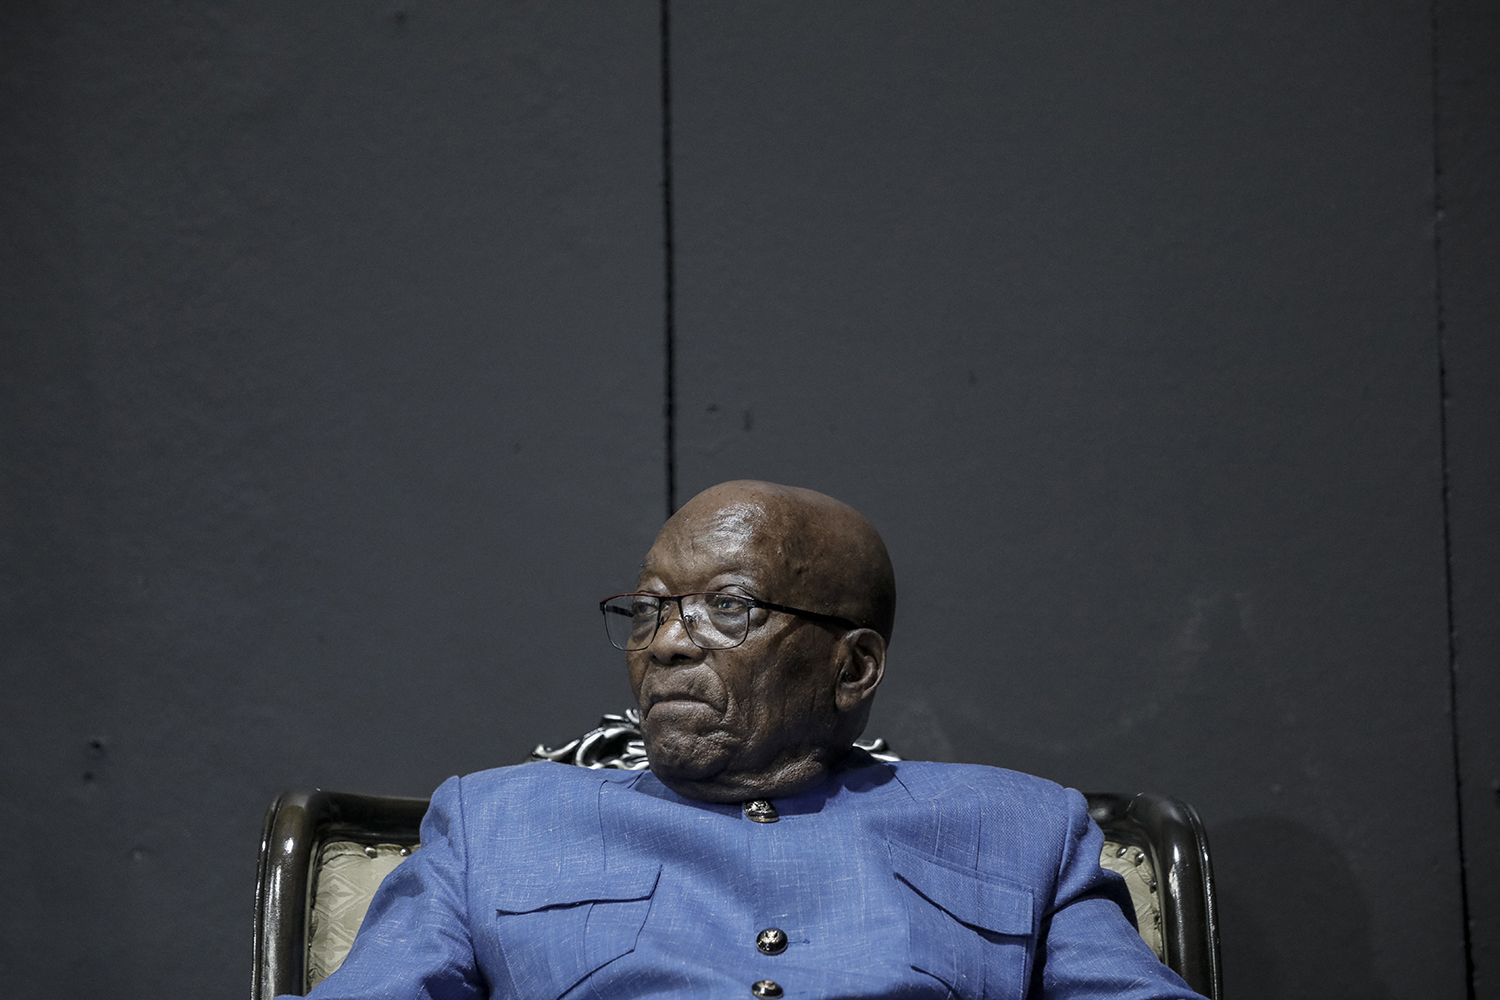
{"x": 644, "y": 609}
{"x": 723, "y": 602}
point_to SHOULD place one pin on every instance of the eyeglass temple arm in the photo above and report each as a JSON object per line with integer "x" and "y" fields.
{"x": 803, "y": 612}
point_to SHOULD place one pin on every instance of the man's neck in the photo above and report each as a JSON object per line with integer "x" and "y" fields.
{"x": 786, "y": 777}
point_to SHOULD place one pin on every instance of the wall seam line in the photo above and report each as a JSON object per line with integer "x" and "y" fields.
{"x": 669, "y": 402}
{"x": 1447, "y": 494}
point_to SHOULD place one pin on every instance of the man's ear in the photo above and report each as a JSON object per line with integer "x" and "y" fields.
{"x": 862, "y": 665}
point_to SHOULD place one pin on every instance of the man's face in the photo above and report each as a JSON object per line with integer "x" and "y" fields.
{"x": 713, "y": 714}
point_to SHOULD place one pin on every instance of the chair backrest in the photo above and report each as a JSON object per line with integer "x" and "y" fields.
{"x": 323, "y": 854}
{"x": 1158, "y": 844}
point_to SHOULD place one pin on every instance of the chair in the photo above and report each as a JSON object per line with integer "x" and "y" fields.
{"x": 323, "y": 854}
{"x": 1158, "y": 844}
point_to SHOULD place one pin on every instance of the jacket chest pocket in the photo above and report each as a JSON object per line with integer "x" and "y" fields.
{"x": 973, "y": 933}
{"x": 557, "y": 931}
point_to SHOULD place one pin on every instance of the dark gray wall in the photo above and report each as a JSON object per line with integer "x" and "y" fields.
{"x": 1119, "y": 324}
{"x": 332, "y": 385}
{"x": 332, "y": 399}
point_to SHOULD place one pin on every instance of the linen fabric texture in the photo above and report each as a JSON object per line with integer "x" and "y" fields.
{"x": 909, "y": 880}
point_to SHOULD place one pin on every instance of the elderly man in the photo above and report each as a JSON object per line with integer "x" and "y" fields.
{"x": 762, "y": 855}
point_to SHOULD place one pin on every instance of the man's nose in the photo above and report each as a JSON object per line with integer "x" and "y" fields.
{"x": 672, "y": 644}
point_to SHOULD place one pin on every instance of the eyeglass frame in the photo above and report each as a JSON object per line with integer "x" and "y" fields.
{"x": 753, "y": 602}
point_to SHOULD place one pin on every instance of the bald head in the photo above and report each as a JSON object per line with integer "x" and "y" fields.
{"x": 824, "y": 551}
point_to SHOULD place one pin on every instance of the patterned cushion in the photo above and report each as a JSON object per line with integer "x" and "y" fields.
{"x": 346, "y": 878}
{"x": 348, "y": 874}
{"x": 1140, "y": 877}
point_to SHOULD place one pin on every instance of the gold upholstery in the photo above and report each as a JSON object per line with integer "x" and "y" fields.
{"x": 1134, "y": 865}
{"x": 344, "y": 882}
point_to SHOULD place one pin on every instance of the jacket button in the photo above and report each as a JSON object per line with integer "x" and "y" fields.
{"x": 771, "y": 941}
{"x": 761, "y": 811}
{"x": 766, "y": 989}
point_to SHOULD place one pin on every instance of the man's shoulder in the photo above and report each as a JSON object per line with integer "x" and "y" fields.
{"x": 537, "y": 787}
{"x": 1014, "y": 826}
{"x": 994, "y": 791}
{"x": 527, "y": 806}
{"x": 542, "y": 774}
{"x": 930, "y": 779}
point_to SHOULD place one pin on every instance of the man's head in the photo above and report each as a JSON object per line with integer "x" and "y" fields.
{"x": 773, "y": 715}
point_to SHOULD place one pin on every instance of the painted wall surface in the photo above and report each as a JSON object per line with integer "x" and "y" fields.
{"x": 334, "y": 393}
{"x": 1120, "y": 324}
{"x": 332, "y": 401}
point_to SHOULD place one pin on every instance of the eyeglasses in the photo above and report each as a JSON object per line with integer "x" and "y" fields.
{"x": 712, "y": 621}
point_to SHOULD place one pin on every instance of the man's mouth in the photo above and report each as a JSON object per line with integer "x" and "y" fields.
{"x": 674, "y": 698}
{"x": 657, "y": 699}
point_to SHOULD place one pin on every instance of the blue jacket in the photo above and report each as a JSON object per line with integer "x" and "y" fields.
{"x": 889, "y": 880}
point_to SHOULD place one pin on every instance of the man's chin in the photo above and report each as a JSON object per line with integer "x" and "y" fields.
{"x": 679, "y": 751}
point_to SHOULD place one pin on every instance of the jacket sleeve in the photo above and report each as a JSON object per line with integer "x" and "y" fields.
{"x": 1087, "y": 946}
{"x": 414, "y": 943}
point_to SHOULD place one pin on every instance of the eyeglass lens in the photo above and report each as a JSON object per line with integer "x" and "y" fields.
{"x": 712, "y": 621}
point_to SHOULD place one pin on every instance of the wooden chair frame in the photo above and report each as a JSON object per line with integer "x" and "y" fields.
{"x": 1170, "y": 830}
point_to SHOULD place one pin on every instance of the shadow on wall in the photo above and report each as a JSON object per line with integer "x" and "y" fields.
{"x": 1292, "y": 918}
